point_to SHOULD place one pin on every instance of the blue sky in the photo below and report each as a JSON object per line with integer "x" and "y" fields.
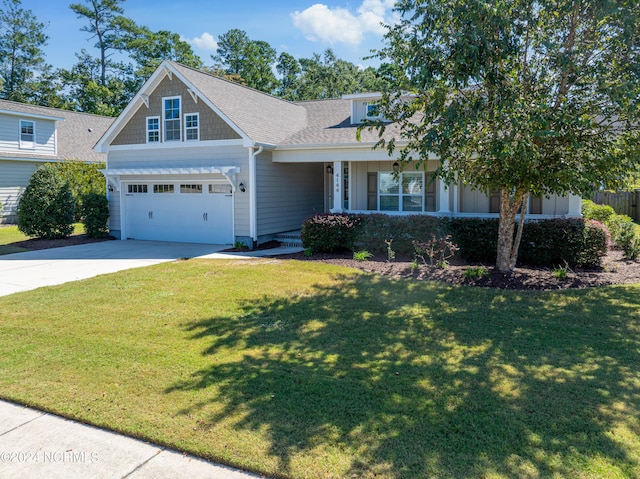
{"x": 350, "y": 28}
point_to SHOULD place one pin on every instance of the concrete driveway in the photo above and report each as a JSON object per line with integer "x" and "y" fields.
{"x": 48, "y": 267}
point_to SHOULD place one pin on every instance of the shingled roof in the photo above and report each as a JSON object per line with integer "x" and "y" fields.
{"x": 270, "y": 120}
{"x": 77, "y": 133}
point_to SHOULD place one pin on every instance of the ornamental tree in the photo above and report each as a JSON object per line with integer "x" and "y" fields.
{"x": 524, "y": 97}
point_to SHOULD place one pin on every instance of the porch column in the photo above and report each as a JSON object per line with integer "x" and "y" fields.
{"x": 575, "y": 206}
{"x": 444, "y": 209}
{"x": 338, "y": 187}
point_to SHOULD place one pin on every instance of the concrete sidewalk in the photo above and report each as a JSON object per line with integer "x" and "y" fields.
{"x": 39, "y": 445}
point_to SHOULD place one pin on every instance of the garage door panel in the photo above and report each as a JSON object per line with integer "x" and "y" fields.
{"x": 184, "y": 217}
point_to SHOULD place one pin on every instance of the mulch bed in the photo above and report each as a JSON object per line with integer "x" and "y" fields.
{"x": 615, "y": 270}
{"x": 36, "y": 243}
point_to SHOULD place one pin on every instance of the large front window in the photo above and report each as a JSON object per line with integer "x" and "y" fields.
{"x": 171, "y": 116}
{"x": 401, "y": 192}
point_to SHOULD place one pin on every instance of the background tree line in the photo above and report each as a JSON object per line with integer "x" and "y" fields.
{"x": 125, "y": 54}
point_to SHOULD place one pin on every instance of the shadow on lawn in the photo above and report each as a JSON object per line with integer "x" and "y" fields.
{"x": 418, "y": 380}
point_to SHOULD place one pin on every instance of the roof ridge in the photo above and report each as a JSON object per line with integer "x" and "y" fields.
{"x": 230, "y": 82}
{"x": 62, "y": 110}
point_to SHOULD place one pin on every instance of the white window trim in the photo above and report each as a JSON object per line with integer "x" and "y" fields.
{"x": 26, "y": 145}
{"x": 148, "y": 131}
{"x": 400, "y": 193}
{"x": 164, "y": 119}
{"x": 366, "y": 110}
{"x": 197, "y": 115}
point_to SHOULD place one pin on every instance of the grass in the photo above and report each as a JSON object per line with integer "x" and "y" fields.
{"x": 11, "y": 234}
{"x": 316, "y": 371}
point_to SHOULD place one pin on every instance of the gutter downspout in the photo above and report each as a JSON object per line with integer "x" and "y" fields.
{"x": 253, "y": 196}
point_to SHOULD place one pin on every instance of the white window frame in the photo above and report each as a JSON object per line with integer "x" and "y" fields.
{"x": 400, "y": 195}
{"x": 372, "y": 104}
{"x": 154, "y": 131}
{"x": 196, "y": 128}
{"x": 26, "y": 144}
{"x": 165, "y": 119}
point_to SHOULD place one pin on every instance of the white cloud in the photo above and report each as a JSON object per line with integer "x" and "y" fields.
{"x": 339, "y": 25}
{"x": 204, "y": 42}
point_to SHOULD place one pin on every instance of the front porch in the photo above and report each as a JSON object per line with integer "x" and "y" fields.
{"x": 379, "y": 187}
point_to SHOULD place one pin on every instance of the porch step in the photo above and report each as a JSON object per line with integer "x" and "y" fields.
{"x": 289, "y": 238}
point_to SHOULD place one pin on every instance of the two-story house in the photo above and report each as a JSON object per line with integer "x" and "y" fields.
{"x": 197, "y": 158}
{"x": 31, "y": 135}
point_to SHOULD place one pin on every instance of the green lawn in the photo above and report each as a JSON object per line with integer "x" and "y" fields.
{"x": 305, "y": 370}
{"x": 11, "y": 234}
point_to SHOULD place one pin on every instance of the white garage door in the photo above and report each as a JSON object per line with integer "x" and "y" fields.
{"x": 191, "y": 212}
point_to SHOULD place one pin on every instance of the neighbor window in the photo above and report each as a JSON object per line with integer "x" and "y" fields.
{"x": 405, "y": 192}
{"x": 153, "y": 129}
{"x": 171, "y": 119}
{"x": 191, "y": 127}
{"x": 27, "y": 134}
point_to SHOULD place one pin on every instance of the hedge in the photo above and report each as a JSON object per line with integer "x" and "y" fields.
{"x": 576, "y": 242}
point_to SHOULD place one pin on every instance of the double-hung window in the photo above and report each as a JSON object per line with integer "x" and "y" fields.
{"x": 404, "y": 192}
{"x": 153, "y": 129}
{"x": 171, "y": 114}
{"x": 27, "y": 134}
{"x": 191, "y": 127}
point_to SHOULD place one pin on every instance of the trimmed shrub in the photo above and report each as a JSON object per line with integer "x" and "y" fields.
{"x": 330, "y": 232}
{"x": 403, "y": 230}
{"x": 95, "y": 214}
{"x": 592, "y": 211}
{"x": 477, "y": 238}
{"x": 46, "y": 208}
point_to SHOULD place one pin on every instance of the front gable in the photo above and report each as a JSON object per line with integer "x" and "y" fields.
{"x": 210, "y": 126}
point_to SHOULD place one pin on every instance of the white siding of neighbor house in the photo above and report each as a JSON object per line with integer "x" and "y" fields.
{"x": 45, "y": 135}
{"x": 287, "y": 194}
{"x": 14, "y": 177}
{"x": 182, "y": 158}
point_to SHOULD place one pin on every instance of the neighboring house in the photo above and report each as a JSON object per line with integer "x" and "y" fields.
{"x": 31, "y": 135}
{"x": 197, "y": 158}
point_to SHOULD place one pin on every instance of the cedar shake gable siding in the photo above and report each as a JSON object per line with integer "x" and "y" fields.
{"x": 212, "y": 127}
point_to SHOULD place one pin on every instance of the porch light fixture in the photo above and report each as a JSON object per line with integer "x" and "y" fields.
{"x": 242, "y": 187}
{"x": 110, "y": 189}
{"x": 396, "y": 167}
{"x": 329, "y": 170}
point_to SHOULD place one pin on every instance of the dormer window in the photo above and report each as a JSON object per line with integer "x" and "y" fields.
{"x": 171, "y": 114}
{"x": 27, "y": 134}
{"x": 373, "y": 110}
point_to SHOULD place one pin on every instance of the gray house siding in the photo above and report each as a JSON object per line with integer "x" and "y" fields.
{"x": 14, "y": 176}
{"x": 45, "y": 138}
{"x": 287, "y": 194}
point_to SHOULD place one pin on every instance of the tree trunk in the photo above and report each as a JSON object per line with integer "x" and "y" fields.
{"x": 508, "y": 209}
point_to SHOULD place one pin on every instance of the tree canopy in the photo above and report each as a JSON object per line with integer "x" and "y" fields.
{"x": 517, "y": 96}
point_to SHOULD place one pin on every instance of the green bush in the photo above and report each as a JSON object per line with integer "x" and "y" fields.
{"x": 95, "y": 214}
{"x": 327, "y": 233}
{"x": 592, "y": 211}
{"x": 83, "y": 179}
{"x": 627, "y": 240}
{"x": 46, "y": 208}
